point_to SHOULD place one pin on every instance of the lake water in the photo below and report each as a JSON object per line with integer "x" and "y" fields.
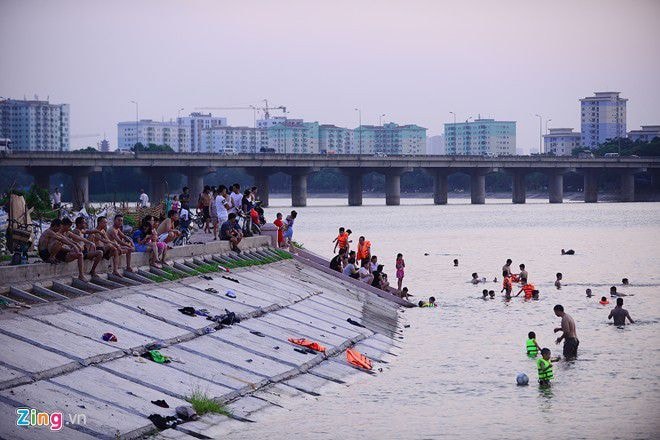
{"x": 455, "y": 375}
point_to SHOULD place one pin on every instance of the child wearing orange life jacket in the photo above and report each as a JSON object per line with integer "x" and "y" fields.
{"x": 341, "y": 240}
{"x": 603, "y": 301}
{"x": 528, "y": 288}
{"x": 507, "y": 285}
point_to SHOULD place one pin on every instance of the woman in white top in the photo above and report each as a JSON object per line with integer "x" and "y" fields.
{"x": 220, "y": 206}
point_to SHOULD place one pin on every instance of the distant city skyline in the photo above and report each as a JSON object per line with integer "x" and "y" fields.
{"x": 414, "y": 62}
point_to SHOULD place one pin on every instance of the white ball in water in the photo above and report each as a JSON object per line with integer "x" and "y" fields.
{"x": 522, "y": 379}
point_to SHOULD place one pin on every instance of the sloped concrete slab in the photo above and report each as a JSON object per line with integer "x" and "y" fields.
{"x": 59, "y": 341}
{"x": 337, "y": 369}
{"x": 214, "y": 426}
{"x": 308, "y": 383}
{"x": 264, "y": 346}
{"x": 323, "y": 325}
{"x": 284, "y": 333}
{"x": 237, "y": 357}
{"x": 194, "y": 298}
{"x": 280, "y": 394}
{"x": 10, "y": 376}
{"x": 103, "y": 419}
{"x": 134, "y": 321}
{"x": 245, "y": 295}
{"x": 161, "y": 377}
{"x": 210, "y": 369}
{"x": 34, "y": 360}
{"x": 128, "y": 395}
{"x": 166, "y": 311}
{"x": 218, "y": 301}
{"x": 8, "y": 419}
{"x": 93, "y": 328}
{"x": 247, "y": 405}
{"x": 299, "y": 330}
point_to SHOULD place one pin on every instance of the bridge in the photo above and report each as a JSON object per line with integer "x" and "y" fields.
{"x": 194, "y": 166}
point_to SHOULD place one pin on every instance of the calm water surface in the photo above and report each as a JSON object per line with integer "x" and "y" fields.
{"x": 455, "y": 375}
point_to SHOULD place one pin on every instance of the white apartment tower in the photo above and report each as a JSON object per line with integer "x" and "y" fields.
{"x": 34, "y": 125}
{"x": 603, "y": 117}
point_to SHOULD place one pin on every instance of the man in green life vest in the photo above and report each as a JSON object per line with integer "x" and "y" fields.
{"x": 531, "y": 345}
{"x": 544, "y": 366}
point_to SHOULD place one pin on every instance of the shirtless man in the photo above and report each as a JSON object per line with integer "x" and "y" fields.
{"x": 103, "y": 242}
{"x": 54, "y": 247}
{"x": 166, "y": 230}
{"x": 89, "y": 248}
{"x": 569, "y": 334}
{"x": 116, "y": 234}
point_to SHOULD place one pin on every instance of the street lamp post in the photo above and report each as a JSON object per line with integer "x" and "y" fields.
{"x": 137, "y": 122}
{"x": 540, "y": 133}
{"x": 380, "y": 119}
{"x": 360, "y": 128}
{"x": 178, "y": 127}
{"x": 455, "y": 133}
{"x": 546, "y": 125}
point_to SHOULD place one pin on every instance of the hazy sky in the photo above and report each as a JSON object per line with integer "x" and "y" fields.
{"x": 415, "y": 61}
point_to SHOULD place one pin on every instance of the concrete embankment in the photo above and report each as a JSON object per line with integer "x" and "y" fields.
{"x": 54, "y": 359}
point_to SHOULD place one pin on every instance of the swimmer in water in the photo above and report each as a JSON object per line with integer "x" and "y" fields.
{"x": 620, "y": 314}
{"x": 455, "y": 263}
{"x": 491, "y": 293}
{"x": 625, "y": 281}
{"x": 568, "y": 252}
{"x": 589, "y": 295}
{"x": 558, "y": 280}
{"x": 475, "y": 278}
{"x": 613, "y": 292}
{"x": 484, "y": 293}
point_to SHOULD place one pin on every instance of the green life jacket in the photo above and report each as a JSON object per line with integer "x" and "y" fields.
{"x": 532, "y": 351}
{"x": 545, "y": 369}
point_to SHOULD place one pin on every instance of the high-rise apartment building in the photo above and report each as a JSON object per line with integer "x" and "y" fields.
{"x": 561, "y": 141}
{"x": 34, "y": 125}
{"x": 646, "y": 134}
{"x": 481, "y": 137}
{"x": 191, "y": 129}
{"x": 435, "y": 145}
{"x": 603, "y": 117}
{"x": 147, "y": 131}
{"x": 293, "y": 136}
{"x": 233, "y": 140}
{"x": 334, "y": 140}
{"x": 390, "y": 139}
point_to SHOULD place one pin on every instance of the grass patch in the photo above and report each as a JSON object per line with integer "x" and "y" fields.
{"x": 202, "y": 403}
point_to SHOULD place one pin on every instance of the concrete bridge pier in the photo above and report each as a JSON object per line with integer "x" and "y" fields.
{"x": 158, "y": 186}
{"x": 591, "y": 185}
{"x": 519, "y": 195}
{"x": 627, "y": 190}
{"x": 195, "y": 176}
{"x": 81, "y": 185}
{"x": 355, "y": 186}
{"x": 393, "y": 185}
{"x": 261, "y": 181}
{"x": 299, "y": 186}
{"x": 478, "y": 186}
{"x": 440, "y": 187}
{"x": 556, "y": 186}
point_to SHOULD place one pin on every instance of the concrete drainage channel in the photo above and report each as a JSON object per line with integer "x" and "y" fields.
{"x": 54, "y": 359}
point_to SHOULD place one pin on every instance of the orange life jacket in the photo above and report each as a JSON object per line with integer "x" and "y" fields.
{"x": 506, "y": 283}
{"x": 528, "y": 289}
{"x": 604, "y": 303}
{"x": 342, "y": 240}
{"x": 363, "y": 250}
{"x": 308, "y": 344}
{"x": 514, "y": 278}
{"x": 358, "y": 359}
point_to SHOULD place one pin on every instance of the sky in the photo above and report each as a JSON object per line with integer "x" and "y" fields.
{"x": 414, "y": 61}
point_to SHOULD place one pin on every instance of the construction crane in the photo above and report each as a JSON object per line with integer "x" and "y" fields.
{"x": 265, "y": 108}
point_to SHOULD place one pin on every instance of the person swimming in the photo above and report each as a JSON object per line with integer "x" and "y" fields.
{"x": 491, "y": 293}
{"x": 568, "y": 252}
{"x": 589, "y": 295}
{"x": 603, "y": 301}
{"x": 613, "y": 292}
{"x": 455, "y": 262}
{"x": 558, "y": 280}
{"x": 625, "y": 281}
{"x": 484, "y": 293}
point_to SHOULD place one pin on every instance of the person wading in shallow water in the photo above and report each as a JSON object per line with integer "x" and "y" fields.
{"x": 569, "y": 334}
